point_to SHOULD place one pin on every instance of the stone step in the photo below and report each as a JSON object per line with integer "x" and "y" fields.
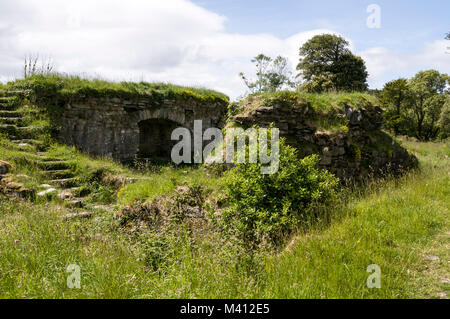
{"x": 7, "y": 99}
{"x": 16, "y": 93}
{"x": 26, "y": 147}
{"x": 10, "y": 114}
{"x": 65, "y": 182}
{"x": 11, "y": 120}
{"x": 47, "y": 192}
{"x": 78, "y": 215}
{"x": 74, "y": 203}
{"x": 53, "y": 165}
{"x": 44, "y": 156}
{"x": 59, "y": 173}
{"x": 46, "y": 159}
{"x": 8, "y": 129}
{"x": 40, "y": 161}
{"x": 19, "y": 132}
{"x": 78, "y": 191}
{"x": 26, "y": 140}
{"x": 7, "y": 107}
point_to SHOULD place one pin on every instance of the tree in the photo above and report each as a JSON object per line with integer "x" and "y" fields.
{"x": 394, "y": 98}
{"x": 271, "y": 74}
{"x": 433, "y": 106}
{"x": 447, "y": 37}
{"x": 327, "y": 63}
{"x": 444, "y": 120}
{"x": 427, "y": 89}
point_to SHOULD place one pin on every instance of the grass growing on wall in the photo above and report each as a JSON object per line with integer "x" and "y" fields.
{"x": 327, "y": 110}
{"x": 75, "y": 86}
{"x": 323, "y": 102}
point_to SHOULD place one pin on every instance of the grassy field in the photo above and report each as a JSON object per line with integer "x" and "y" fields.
{"x": 400, "y": 224}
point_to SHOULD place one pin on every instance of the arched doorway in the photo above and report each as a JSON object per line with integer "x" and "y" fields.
{"x": 155, "y": 138}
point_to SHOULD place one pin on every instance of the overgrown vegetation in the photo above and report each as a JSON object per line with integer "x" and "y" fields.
{"x": 266, "y": 208}
{"x": 327, "y": 110}
{"x": 390, "y": 223}
{"x": 169, "y": 233}
{"x": 59, "y": 85}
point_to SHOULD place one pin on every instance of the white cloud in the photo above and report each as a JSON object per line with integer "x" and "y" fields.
{"x": 173, "y": 41}
{"x": 385, "y": 65}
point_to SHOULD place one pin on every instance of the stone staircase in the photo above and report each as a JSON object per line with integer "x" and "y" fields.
{"x": 57, "y": 173}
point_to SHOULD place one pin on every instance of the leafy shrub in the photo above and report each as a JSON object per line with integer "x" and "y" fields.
{"x": 233, "y": 109}
{"x": 265, "y": 208}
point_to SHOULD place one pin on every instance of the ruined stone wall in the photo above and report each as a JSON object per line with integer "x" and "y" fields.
{"x": 357, "y": 151}
{"x": 111, "y": 126}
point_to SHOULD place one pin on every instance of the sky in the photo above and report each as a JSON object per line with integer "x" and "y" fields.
{"x": 206, "y": 43}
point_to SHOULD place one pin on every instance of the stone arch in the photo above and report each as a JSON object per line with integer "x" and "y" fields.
{"x": 155, "y": 130}
{"x": 161, "y": 114}
{"x": 155, "y": 138}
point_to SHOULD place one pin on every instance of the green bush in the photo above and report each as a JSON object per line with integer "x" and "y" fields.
{"x": 263, "y": 209}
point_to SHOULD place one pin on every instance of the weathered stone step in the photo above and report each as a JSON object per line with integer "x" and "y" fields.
{"x": 7, "y": 107}
{"x": 65, "y": 182}
{"x": 78, "y": 215}
{"x": 78, "y": 191}
{"x": 11, "y": 120}
{"x": 26, "y": 140}
{"x": 53, "y": 165}
{"x": 10, "y": 114}
{"x": 26, "y": 147}
{"x": 74, "y": 203}
{"x": 41, "y": 160}
{"x": 20, "y": 132}
{"x": 59, "y": 173}
{"x": 8, "y": 129}
{"x": 15, "y": 93}
{"x": 7, "y": 99}
{"x": 47, "y": 192}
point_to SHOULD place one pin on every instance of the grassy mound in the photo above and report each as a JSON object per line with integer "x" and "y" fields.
{"x": 323, "y": 103}
{"x": 74, "y": 86}
{"x": 327, "y": 110}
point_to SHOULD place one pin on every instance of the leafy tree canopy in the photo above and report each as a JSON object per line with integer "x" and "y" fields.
{"x": 394, "y": 97}
{"x": 271, "y": 74}
{"x": 417, "y": 107}
{"x": 327, "y": 63}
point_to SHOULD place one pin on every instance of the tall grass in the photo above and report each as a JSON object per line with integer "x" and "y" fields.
{"x": 390, "y": 223}
{"x": 67, "y": 84}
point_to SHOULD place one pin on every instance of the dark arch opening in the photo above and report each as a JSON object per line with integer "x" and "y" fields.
{"x": 155, "y": 138}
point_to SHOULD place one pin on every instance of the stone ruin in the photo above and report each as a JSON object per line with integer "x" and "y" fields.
{"x": 124, "y": 129}
{"x": 363, "y": 150}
